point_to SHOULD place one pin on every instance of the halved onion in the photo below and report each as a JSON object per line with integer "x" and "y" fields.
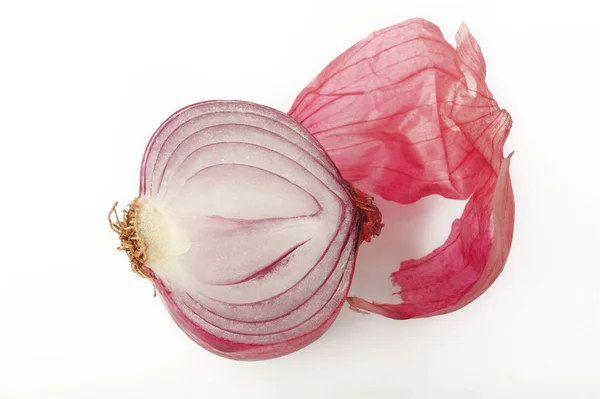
{"x": 246, "y": 229}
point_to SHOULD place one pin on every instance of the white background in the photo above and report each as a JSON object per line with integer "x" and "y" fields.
{"x": 82, "y": 88}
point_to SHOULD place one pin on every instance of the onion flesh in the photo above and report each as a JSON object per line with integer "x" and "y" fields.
{"x": 246, "y": 229}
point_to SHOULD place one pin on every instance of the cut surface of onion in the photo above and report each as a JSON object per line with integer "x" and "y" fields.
{"x": 245, "y": 227}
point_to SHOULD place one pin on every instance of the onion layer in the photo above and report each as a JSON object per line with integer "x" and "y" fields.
{"x": 245, "y": 227}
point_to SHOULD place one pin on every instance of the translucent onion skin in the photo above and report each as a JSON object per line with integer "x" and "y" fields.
{"x": 405, "y": 115}
{"x": 251, "y": 281}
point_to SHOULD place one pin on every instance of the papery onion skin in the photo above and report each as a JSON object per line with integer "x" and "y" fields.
{"x": 490, "y": 214}
{"x": 242, "y": 279}
{"x": 404, "y": 115}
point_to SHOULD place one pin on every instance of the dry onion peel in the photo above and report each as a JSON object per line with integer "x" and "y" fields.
{"x": 246, "y": 229}
{"x": 404, "y": 115}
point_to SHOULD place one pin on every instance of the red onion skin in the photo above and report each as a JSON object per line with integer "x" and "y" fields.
{"x": 420, "y": 299}
{"x": 404, "y": 115}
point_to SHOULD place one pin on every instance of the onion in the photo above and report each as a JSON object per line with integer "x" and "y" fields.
{"x": 245, "y": 228}
{"x": 249, "y": 231}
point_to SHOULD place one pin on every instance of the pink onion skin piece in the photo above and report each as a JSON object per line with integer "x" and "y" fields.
{"x": 468, "y": 263}
{"x": 404, "y": 115}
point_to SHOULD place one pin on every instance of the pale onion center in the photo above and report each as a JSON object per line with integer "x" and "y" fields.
{"x": 163, "y": 239}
